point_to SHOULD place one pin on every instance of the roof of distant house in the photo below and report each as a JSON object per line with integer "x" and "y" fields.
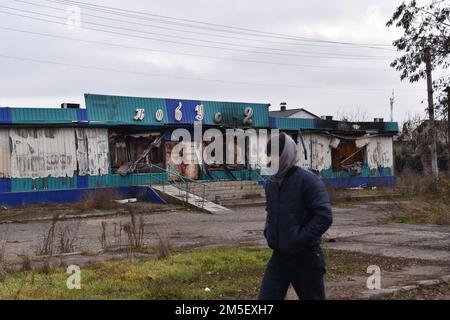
{"x": 290, "y": 112}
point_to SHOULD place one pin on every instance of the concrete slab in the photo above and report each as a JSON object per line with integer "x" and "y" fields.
{"x": 191, "y": 199}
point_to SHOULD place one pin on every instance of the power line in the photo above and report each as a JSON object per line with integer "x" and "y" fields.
{"x": 115, "y": 10}
{"x": 4, "y": 56}
{"x": 202, "y": 40}
{"x": 179, "y": 42}
{"x": 189, "y": 54}
{"x": 192, "y": 32}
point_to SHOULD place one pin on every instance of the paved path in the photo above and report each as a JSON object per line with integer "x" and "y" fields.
{"x": 355, "y": 228}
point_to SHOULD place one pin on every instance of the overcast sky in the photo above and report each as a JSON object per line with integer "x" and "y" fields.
{"x": 357, "y": 78}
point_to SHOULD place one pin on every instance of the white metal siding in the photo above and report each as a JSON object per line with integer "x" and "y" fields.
{"x": 318, "y": 149}
{"x": 380, "y": 153}
{"x": 42, "y": 152}
{"x": 5, "y": 161}
{"x": 92, "y": 151}
{"x": 256, "y": 145}
{"x": 302, "y": 115}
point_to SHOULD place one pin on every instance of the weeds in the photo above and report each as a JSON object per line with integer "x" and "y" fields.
{"x": 103, "y": 238}
{"x": 431, "y": 205}
{"x": 3, "y": 271}
{"x": 135, "y": 231}
{"x": 118, "y": 234}
{"x": 58, "y": 240}
{"x": 98, "y": 200}
{"x": 67, "y": 238}
{"x": 49, "y": 239}
{"x": 26, "y": 262}
{"x": 2, "y": 252}
{"x": 164, "y": 248}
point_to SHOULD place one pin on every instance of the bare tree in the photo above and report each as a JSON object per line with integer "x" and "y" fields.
{"x": 426, "y": 45}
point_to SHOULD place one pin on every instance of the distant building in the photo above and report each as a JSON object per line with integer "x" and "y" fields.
{"x": 292, "y": 113}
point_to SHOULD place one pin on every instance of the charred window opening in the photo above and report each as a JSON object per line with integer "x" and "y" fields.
{"x": 132, "y": 153}
{"x": 347, "y": 156}
{"x": 238, "y": 159}
{"x": 294, "y": 136}
{"x": 234, "y": 157}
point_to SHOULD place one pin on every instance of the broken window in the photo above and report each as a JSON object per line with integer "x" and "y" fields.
{"x": 134, "y": 152}
{"x": 348, "y": 156}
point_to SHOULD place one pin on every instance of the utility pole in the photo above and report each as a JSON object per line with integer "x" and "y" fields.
{"x": 391, "y": 99}
{"x": 448, "y": 119}
{"x": 432, "y": 127}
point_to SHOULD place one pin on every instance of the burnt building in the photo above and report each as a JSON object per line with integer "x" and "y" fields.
{"x": 57, "y": 154}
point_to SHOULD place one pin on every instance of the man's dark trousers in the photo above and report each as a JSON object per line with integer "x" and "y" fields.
{"x": 305, "y": 271}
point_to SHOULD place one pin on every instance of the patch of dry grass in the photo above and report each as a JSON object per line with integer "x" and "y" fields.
{"x": 98, "y": 200}
{"x": 429, "y": 204}
{"x": 420, "y": 212}
{"x": 435, "y": 292}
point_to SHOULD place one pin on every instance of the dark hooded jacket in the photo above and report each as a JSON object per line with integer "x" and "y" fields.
{"x": 298, "y": 212}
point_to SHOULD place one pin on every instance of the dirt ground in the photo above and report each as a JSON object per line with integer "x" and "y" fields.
{"x": 358, "y": 228}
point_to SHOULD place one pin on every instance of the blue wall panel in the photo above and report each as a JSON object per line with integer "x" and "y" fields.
{"x": 5, "y": 115}
{"x": 187, "y": 110}
{"x": 5, "y": 185}
{"x": 73, "y": 195}
{"x": 82, "y": 117}
{"x": 82, "y": 182}
{"x": 360, "y": 181}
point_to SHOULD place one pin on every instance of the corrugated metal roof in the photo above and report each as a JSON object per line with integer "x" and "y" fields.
{"x": 43, "y": 116}
{"x": 119, "y": 110}
{"x": 293, "y": 124}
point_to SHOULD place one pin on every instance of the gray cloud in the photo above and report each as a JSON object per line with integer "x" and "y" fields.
{"x": 26, "y": 83}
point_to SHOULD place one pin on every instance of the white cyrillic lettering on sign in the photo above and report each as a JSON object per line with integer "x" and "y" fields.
{"x": 139, "y": 114}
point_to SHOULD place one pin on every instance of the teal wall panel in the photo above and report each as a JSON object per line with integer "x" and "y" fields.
{"x": 110, "y": 180}
{"x": 118, "y": 110}
{"x": 50, "y": 183}
{"x": 43, "y": 116}
{"x": 233, "y": 113}
{"x": 294, "y": 124}
{"x": 365, "y": 172}
{"x": 240, "y": 174}
{"x": 391, "y": 126}
{"x": 116, "y": 180}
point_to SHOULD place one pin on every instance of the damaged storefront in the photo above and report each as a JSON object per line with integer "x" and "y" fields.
{"x": 57, "y": 154}
{"x": 344, "y": 154}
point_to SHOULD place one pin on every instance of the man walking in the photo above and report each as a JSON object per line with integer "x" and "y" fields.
{"x": 298, "y": 213}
